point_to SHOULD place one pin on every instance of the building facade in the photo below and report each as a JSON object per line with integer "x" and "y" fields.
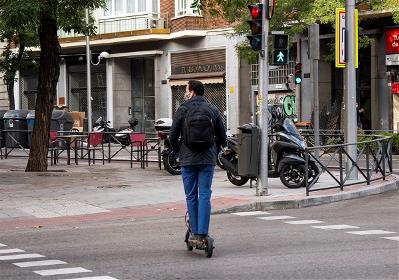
{"x": 3, "y": 88}
{"x": 376, "y": 77}
{"x": 154, "y": 48}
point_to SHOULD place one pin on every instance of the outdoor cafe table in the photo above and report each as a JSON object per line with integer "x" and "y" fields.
{"x": 69, "y": 140}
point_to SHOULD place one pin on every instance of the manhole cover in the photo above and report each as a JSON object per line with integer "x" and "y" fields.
{"x": 113, "y": 187}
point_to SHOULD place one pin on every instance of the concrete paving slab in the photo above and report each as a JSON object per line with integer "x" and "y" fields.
{"x": 116, "y": 190}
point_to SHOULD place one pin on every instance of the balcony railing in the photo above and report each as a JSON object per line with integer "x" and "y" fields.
{"x": 124, "y": 24}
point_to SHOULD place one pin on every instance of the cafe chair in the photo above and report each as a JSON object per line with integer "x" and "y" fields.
{"x": 95, "y": 142}
{"x": 137, "y": 141}
{"x": 56, "y": 147}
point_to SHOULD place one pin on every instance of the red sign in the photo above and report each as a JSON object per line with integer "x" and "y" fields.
{"x": 392, "y": 40}
{"x": 395, "y": 88}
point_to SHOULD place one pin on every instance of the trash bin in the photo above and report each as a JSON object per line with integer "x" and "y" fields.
{"x": 30, "y": 120}
{"x": 61, "y": 121}
{"x": 248, "y": 150}
{"x": 16, "y": 120}
{"x": 2, "y": 112}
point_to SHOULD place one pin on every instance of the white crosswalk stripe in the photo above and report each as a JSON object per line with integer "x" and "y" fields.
{"x": 330, "y": 227}
{"x": 251, "y": 213}
{"x": 3, "y": 245}
{"x": 20, "y": 257}
{"x": 60, "y": 271}
{"x": 304, "y": 222}
{"x": 94, "y": 278}
{"x": 396, "y": 238}
{"x": 38, "y": 263}
{"x": 8, "y": 251}
{"x": 370, "y": 232}
{"x": 271, "y": 218}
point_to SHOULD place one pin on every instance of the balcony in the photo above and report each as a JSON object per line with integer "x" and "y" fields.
{"x": 123, "y": 24}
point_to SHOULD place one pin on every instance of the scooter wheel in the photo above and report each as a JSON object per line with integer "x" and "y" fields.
{"x": 293, "y": 175}
{"x": 189, "y": 247}
{"x": 171, "y": 163}
{"x": 236, "y": 180}
{"x": 209, "y": 247}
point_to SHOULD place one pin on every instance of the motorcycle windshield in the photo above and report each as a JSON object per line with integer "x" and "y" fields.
{"x": 290, "y": 128}
{"x": 99, "y": 120}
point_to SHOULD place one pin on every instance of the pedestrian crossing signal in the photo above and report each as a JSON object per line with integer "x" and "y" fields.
{"x": 280, "y": 49}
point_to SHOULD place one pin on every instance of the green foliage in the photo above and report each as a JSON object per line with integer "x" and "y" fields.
{"x": 196, "y": 6}
{"x": 334, "y": 140}
{"x": 395, "y": 141}
{"x": 293, "y": 16}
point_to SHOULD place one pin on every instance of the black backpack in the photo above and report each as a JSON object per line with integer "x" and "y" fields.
{"x": 198, "y": 128}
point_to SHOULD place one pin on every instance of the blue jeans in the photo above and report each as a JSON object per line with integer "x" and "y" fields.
{"x": 197, "y": 180}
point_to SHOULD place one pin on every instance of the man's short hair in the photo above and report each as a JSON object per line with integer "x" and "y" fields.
{"x": 196, "y": 86}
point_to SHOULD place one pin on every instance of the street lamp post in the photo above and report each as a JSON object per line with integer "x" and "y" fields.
{"x": 88, "y": 70}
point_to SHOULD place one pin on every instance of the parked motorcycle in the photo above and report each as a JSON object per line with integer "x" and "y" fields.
{"x": 122, "y": 135}
{"x": 170, "y": 159}
{"x": 286, "y": 158}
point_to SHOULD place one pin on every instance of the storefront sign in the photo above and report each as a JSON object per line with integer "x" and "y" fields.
{"x": 207, "y": 68}
{"x": 395, "y": 88}
{"x": 392, "y": 40}
{"x": 340, "y": 31}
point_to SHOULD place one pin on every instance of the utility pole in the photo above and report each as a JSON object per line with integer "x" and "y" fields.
{"x": 350, "y": 87}
{"x": 314, "y": 53}
{"x": 262, "y": 184}
{"x": 88, "y": 61}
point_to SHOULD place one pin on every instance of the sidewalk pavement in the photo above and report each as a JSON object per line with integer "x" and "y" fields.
{"x": 82, "y": 193}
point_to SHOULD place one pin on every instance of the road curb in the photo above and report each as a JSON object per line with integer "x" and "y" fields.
{"x": 312, "y": 201}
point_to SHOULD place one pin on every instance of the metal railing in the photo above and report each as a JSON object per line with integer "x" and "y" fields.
{"x": 123, "y": 24}
{"x": 373, "y": 161}
{"x": 16, "y": 143}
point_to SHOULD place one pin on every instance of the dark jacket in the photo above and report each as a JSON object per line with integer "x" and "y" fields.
{"x": 186, "y": 155}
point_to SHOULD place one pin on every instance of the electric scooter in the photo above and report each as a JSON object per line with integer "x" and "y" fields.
{"x": 206, "y": 244}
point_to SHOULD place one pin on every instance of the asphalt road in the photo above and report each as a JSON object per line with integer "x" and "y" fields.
{"x": 247, "y": 247}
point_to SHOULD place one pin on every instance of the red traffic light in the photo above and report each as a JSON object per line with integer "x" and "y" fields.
{"x": 256, "y": 10}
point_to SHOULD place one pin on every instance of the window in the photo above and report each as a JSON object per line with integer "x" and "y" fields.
{"x": 183, "y": 7}
{"x": 126, "y": 7}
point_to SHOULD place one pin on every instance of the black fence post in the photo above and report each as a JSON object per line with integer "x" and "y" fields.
{"x": 340, "y": 169}
{"x": 383, "y": 160}
{"x": 368, "y": 163}
{"x": 307, "y": 171}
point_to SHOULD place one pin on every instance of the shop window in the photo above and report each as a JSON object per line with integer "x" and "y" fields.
{"x": 214, "y": 94}
{"x": 129, "y": 7}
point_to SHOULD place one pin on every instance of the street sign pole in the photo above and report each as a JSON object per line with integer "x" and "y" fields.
{"x": 314, "y": 53}
{"x": 88, "y": 70}
{"x": 350, "y": 89}
{"x": 262, "y": 183}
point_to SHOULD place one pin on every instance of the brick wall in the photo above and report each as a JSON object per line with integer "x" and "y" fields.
{"x": 205, "y": 22}
{"x": 167, "y": 9}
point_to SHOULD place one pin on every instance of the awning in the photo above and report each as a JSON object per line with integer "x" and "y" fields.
{"x": 204, "y": 77}
{"x": 183, "y": 82}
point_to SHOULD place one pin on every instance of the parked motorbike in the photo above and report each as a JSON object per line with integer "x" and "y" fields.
{"x": 286, "y": 158}
{"x": 170, "y": 159}
{"x": 122, "y": 135}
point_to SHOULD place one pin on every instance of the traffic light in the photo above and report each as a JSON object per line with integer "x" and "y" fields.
{"x": 255, "y": 24}
{"x": 280, "y": 49}
{"x": 298, "y": 73}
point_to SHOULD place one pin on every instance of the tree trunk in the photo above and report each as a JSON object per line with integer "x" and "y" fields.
{"x": 49, "y": 72}
{"x": 10, "y": 91}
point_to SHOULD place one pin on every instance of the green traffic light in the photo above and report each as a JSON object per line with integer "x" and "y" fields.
{"x": 298, "y": 80}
